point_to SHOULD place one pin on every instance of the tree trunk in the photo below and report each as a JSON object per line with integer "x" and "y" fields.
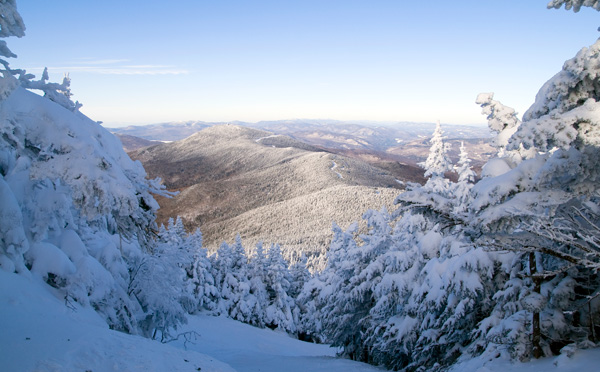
{"x": 535, "y": 326}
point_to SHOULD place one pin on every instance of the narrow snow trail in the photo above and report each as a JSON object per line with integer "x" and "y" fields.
{"x": 333, "y": 169}
{"x": 262, "y": 138}
{"x": 249, "y": 349}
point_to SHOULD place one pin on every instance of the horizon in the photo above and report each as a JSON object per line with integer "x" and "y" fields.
{"x": 140, "y": 63}
{"x": 242, "y": 122}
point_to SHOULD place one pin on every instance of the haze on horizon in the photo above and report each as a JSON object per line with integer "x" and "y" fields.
{"x": 140, "y": 62}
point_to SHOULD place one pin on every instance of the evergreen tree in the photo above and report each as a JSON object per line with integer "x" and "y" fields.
{"x": 280, "y": 305}
{"x": 574, "y": 4}
{"x": 201, "y": 283}
{"x": 438, "y": 161}
{"x": 537, "y": 207}
{"x": 466, "y": 178}
{"x": 258, "y": 277}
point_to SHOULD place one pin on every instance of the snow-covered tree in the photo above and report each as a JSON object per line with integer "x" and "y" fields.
{"x": 201, "y": 282}
{"x": 466, "y": 178}
{"x": 11, "y": 24}
{"x": 539, "y": 207}
{"x": 279, "y": 311}
{"x": 502, "y": 120}
{"x": 75, "y": 210}
{"x": 157, "y": 284}
{"x": 258, "y": 276}
{"x": 438, "y": 162}
{"x": 574, "y": 4}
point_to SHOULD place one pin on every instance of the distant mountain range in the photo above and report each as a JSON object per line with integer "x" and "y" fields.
{"x": 378, "y": 136}
{"x": 394, "y": 146}
{"x": 265, "y": 186}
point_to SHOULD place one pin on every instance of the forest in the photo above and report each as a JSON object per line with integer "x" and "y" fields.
{"x": 505, "y": 267}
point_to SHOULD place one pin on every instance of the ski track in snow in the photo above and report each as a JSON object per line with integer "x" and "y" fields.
{"x": 333, "y": 169}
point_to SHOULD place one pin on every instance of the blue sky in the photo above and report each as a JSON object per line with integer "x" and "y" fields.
{"x": 146, "y": 61}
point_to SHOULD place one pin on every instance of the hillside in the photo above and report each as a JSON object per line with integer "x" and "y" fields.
{"x": 172, "y": 131}
{"x": 394, "y": 146}
{"x": 236, "y": 179}
{"x": 131, "y": 143}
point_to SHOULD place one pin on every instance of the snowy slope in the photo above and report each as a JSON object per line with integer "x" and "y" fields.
{"x": 580, "y": 361}
{"x": 40, "y": 333}
{"x": 248, "y": 348}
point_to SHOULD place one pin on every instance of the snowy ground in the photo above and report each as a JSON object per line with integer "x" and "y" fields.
{"x": 40, "y": 333}
{"x": 581, "y": 361}
{"x": 248, "y": 348}
{"x": 333, "y": 167}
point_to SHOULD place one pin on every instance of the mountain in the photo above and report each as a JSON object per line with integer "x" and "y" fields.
{"x": 395, "y": 146}
{"x": 364, "y": 135}
{"x": 172, "y": 131}
{"x": 131, "y": 143}
{"x": 378, "y": 136}
{"x": 234, "y": 179}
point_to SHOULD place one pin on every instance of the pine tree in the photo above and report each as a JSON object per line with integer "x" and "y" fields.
{"x": 466, "y": 178}
{"x": 201, "y": 283}
{"x": 279, "y": 310}
{"x": 574, "y": 4}
{"x": 537, "y": 207}
{"x": 438, "y": 161}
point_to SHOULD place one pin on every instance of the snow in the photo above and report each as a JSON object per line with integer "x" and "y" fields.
{"x": 42, "y": 332}
{"x": 248, "y": 348}
{"x": 333, "y": 167}
{"x": 72, "y": 204}
{"x": 580, "y": 361}
{"x": 47, "y": 258}
{"x": 495, "y": 167}
{"x": 271, "y": 136}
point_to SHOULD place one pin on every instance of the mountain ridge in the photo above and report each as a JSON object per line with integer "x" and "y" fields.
{"x": 224, "y": 172}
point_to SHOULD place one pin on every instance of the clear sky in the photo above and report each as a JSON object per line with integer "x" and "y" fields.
{"x": 144, "y": 61}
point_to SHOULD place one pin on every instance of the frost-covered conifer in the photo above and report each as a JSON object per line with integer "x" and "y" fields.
{"x": 257, "y": 274}
{"x": 466, "y": 178}
{"x": 11, "y": 24}
{"x": 279, "y": 311}
{"x": 349, "y": 284}
{"x": 438, "y": 162}
{"x": 538, "y": 207}
{"x": 157, "y": 283}
{"x": 436, "y": 197}
{"x": 201, "y": 281}
{"x": 316, "y": 294}
{"x": 574, "y": 4}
